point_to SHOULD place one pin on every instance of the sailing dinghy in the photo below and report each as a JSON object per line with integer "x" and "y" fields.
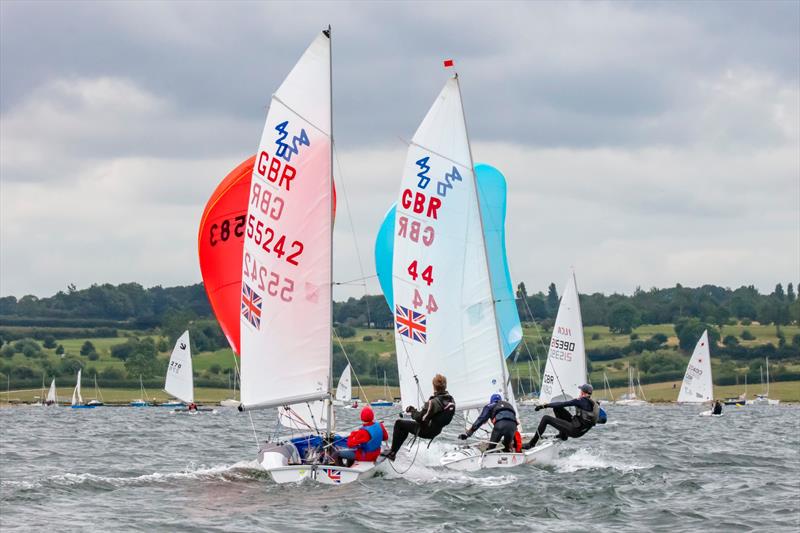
{"x": 52, "y": 398}
{"x": 77, "y": 399}
{"x": 285, "y": 320}
{"x": 697, "y": 386}
{"x": 180, "y": 377}
{"x": 441, "y": 281}
{"x": 344, "y": 389}
{"x": 385, "y": 402}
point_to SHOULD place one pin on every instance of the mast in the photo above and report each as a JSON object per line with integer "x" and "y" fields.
{"x": 767, "y": 365}
{"x": 330, "y": 338}
{"x": 485, "y": 250}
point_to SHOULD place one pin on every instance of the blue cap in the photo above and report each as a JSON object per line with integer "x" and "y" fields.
{"x": 495, "y": 398}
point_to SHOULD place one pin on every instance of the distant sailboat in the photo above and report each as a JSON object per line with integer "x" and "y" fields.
{"x": 698, "y": 386}
{"x": 77, "y": 399}
{"x": 233, "y": 376}
{"x": 180, "y": 378}
{"x": 52, "y": 398}
{"x": 97, "y": 401}
{"x": 631, "y": 398}
{"x": 764, "y": 399}
{"x": 386, "y": 401}
{"x": 144, "y": 401}
{"x": 344, "y": 389}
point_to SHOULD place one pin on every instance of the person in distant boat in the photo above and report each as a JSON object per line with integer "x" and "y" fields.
{"x": 428, "y": 421}
{"x": 365, "y": 442}
{"x": 717, "y": 408}
{"x": 193, "y": 406}
{"x": 587, "y": 412}
{"x": 504, "y": 419}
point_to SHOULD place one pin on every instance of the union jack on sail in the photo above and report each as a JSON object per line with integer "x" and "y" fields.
{"x": 411, "y": 324}
{"x": 251, "y": 306}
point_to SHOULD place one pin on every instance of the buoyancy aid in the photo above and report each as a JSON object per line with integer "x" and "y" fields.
{"x": 588, "y": 418}
{"x": 503, "y": 410}
{"x": 375, "y": 437}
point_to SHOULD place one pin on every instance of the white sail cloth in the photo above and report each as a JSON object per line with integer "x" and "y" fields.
{"x": 697, "y": 386}
{"x": 444, "y": 314}
{"x": 51, "y": 394}
{"x": 344, "y": 389}
{"x": 565, "y": 370}
{"x": 286, "y": 264}
{"x": 77, "y": 399}
{"x": 180, "y": 380}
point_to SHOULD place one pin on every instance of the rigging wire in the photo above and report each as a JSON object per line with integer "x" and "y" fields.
{"x": 358, "y": 382}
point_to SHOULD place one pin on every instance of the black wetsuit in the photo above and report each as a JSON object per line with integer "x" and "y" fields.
{"x": 566, "y": 424}
{"x": 427, "y": 422}
{"x": 504, "y": 418}
{"x": 717, "y": 409}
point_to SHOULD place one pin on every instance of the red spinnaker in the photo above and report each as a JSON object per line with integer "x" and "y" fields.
{"x": 220, "y": 242}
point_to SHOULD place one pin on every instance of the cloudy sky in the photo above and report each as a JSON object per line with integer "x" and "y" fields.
{"x": 645, "y": 144}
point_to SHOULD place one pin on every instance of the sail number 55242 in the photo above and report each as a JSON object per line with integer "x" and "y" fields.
{"x": 271, "y": 282}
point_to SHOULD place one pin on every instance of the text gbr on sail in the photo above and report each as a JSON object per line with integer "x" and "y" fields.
{"x": 420, "y": 204}
{"x": 276, "y": 172}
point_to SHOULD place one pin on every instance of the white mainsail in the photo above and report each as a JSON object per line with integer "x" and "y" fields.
{"x": 51, "y": 394}
{"x": 697, "y": 386}
{"x": 180, "y": 380}
{"x": 565, "y": 370}
{"x": 286, "y": 268}
{"x": 76, "y": 393}
{"x": 444, "y": 310}
{"x": 344, "y": 390}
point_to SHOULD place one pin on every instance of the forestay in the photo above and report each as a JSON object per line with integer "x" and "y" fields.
{"x": 344, "y": 389}
{"x": 565, "y": 370}
{"x": 286, "y": 268}
{"x": 444, "y": 314}
{"x": 180, "y": 380}
{"x": 697, "y": 386}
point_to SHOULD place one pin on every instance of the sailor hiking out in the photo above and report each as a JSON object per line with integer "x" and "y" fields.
{"x": 503, "y": 417}
{"x": 428, "y": 421}
{"x": 587, "y": 413}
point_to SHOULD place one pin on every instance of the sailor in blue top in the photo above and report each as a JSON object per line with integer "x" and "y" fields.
{"x": 587, "y": 412}
{"x": 504, "y": 419}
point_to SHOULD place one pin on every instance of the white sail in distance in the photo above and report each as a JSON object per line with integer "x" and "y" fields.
{"x": 697, "y": 386}
{"x": 286, "y": 264}
{"x": 344, "y": 390}
{"x": 51, "y": 394}
{"x": 445, "y": 319}
{"x": 565, "y": 370}
{"x": 77, "y": 399}
{"x": 180, "y": 379}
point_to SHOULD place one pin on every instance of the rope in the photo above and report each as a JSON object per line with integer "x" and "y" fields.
{"x": 252, "y": 425}
{"x": 413, "y": 459}
{"x": 352, "y": 368}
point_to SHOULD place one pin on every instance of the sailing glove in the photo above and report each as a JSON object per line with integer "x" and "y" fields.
{"x": 463, "y": 436}
{"x": 539, "y": 407}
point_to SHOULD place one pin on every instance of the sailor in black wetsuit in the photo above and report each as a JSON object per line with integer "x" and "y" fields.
{"x": 504, "y": 418}
{"x": 717, "y": 408}
{"x": 587, "y": 412}
{"x": 427, "y": 422}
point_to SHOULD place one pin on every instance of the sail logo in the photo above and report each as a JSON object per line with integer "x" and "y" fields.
{"x": 411, "y": 324}
{"x": 443, "y": 186}
{"x": 251, "y": 306}
{"x": 424, "y": 180}
{"x": 285, "y": 150}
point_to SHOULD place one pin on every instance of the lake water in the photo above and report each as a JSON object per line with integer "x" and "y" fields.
{"x": 654, "y": 468}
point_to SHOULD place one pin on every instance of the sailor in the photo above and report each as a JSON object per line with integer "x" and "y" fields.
{"x": 587, "y": 412}
{"x": 428, "y": 421}
{"x": 504, "y": 418}
{"x": 192, "y": 406}
{"x": 365, "y": 441}
{"x": 717, "y": 408}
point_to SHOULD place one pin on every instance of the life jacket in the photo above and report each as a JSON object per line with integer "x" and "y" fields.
{"x": 445, "y": 414}
{"x": 375, "y": 438}
{"x": 517, "y": 442}
{"x": 503, "y": 410}
{"x": 588, "y": 419}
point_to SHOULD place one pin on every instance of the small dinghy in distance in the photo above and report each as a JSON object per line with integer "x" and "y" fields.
{"x": 77, "y": 399}
{"x": 285, "y": 318}
{"x": 180, "y": 378}
{"x": 344, "y": 388}
{"x": 697, "y": 386}
{"x": 52, "y": 398}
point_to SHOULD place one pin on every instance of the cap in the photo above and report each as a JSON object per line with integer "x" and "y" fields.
{"x": 586, "y": 388}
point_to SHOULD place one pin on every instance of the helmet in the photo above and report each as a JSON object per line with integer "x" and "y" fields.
{"x": 367, "y": 415}
{"x": 586, "y": 388}
{"x": 495, "y": 398}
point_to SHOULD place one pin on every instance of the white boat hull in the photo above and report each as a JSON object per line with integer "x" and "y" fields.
{"x": 323, "y": 474}
{"x": 709, "y": 413}
{"x": 472, "y": 459}
{"x": 230, "y": 403}
{"x": 631, "y": 403}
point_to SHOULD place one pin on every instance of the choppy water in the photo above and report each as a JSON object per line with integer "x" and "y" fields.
{"x": 657, "y": 468}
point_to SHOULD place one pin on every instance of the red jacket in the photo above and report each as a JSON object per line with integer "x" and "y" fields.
{"x": 361, "y": 436}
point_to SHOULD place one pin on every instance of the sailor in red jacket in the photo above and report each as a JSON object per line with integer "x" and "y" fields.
{"x": 367, "y": 439}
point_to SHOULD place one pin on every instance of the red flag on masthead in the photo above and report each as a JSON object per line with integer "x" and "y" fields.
{"x": 449, "y": 63}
